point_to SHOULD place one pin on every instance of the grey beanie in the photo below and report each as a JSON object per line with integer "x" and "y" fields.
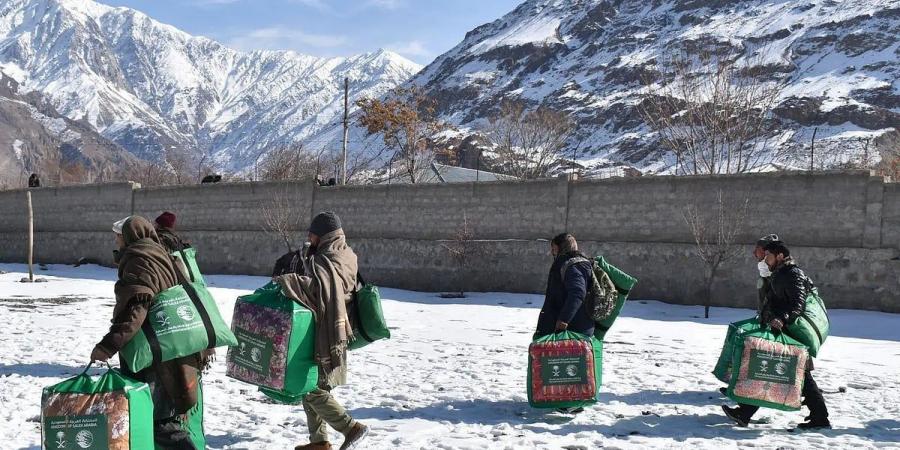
{"x": 765, "y": 240}
{"x": 324, "y": 223}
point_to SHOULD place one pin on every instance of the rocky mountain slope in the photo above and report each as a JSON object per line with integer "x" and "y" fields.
{"x": 34, "y": 137}
{"x": 840, "y": 60}
{"x": 150, "y": 87}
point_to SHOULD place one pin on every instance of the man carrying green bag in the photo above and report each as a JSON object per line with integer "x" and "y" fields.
{"x": 326, "y": 288}
{"x": 786, "y": 302}
{"x": 566, "y": 309}
{"x": 172, "y": 371}
{"x": 110, "y": 412}
{"x": 276, "y": 345}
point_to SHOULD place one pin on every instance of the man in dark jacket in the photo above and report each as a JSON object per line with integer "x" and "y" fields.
{"x": 165, "y": 229}
{"x": 145, "y": 270}
{"x": 762, "y": 284}
{"x": 567, "y": 286}
{"x": 785, "y": 302}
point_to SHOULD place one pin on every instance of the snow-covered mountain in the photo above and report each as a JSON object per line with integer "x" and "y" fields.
{"x": 148, "y": 86}
{"x": 34, "y": 137}
{"x": 840, "y": 58}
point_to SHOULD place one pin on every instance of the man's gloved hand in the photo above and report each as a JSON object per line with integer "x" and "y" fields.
{"x": 561, "y": 326}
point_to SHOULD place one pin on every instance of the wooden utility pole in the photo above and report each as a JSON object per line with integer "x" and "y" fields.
{"x": 346, "y": 129}
{"x": 30, "y": 238}
{"x": 812, "y": 150}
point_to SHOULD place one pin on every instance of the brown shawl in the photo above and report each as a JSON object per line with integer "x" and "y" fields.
{"x": 326, "y": 289}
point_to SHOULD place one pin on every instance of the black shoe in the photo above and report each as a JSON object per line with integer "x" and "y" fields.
{"x": 724, "y": 391}
{"x": 735, "y": 415}
{"x": 814, "y": 424}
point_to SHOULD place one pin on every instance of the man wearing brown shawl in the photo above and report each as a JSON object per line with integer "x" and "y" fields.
{"x": 325, "y": 288}
{"x": 145, "y": 270}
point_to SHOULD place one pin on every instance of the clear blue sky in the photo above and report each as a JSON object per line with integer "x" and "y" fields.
{"x": 417, "y": 29}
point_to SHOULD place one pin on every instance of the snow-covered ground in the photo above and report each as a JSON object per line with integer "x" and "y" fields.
{"x": 453, "y": 376}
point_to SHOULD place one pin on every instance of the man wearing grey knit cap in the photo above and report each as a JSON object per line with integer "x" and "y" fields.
{"x": 325, "y": 287}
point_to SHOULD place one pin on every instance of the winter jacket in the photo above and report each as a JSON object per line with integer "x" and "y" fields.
{"x": 564, "y": 299}
{"x": 786, "y": 294}
{"x": 145, "y": 270}
{"x": 171, "y": 241}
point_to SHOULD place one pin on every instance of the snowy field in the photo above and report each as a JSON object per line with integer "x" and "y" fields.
{"x": 453, "y": 376}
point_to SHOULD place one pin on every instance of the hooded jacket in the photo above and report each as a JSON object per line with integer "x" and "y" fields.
{"x": 145, "y": 270}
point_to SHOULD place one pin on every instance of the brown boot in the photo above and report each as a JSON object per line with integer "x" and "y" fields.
{"x": 314, "y": 446}
{"x": 353, "y": 438}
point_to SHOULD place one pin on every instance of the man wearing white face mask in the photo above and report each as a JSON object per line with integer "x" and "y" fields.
{"x": 765, "y": 274}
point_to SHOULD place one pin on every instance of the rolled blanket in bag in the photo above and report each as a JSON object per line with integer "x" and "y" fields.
{"x": 182, "y": 320}
{"x": 111, "y": 412}
{"x": 768, "y": 370}
{"x": 624, "y": 284}
{"x": 276, "y": 345}
{"x": 564, "y": 370}
{"x": 733, "y": 338}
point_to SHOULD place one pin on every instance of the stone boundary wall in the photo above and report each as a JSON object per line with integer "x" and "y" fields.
{"x": 844, "y": 228}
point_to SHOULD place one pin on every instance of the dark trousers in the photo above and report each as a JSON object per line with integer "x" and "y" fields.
{"x": 171, "y": 434}
{"x": 812, "y": 396}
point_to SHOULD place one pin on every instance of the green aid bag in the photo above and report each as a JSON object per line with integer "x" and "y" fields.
{"x": 564, "y": 370}
{"x": 194, "y": 423}
{"x": 367, "y": 316}
{"x": 182, "y": 320}
{"x": 768, "y": 370}
{"x": 733, "y": 338}
{"x": 111, "y": 411}
{"x": 188, "y": 257}
{"x": 624, "y": 284}
{"x": 813, "y": 326}
{"x": 276, "y": 345}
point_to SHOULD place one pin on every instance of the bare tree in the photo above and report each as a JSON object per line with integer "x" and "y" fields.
{"x": 180, "y": 163}
{"x": 715, "y": 229}
{"x": 712, "y": 113}
{"x": 528, "y": 143}
{"x": 280, "y": 218}
{"x": 407, "y": 123}
{"x": 290, "y": 162}
{"x": 463, "y": 249}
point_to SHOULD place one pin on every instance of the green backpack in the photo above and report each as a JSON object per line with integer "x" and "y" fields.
{"x": 182, "y": 320}
{"x": 112, "y": 411}
{"x": 367, "y": 316}
{"x": 188, "y": 257}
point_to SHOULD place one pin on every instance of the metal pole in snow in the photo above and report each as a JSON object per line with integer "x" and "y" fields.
{"x": 346, "y": 128}
{"x": 30, "y": 238}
